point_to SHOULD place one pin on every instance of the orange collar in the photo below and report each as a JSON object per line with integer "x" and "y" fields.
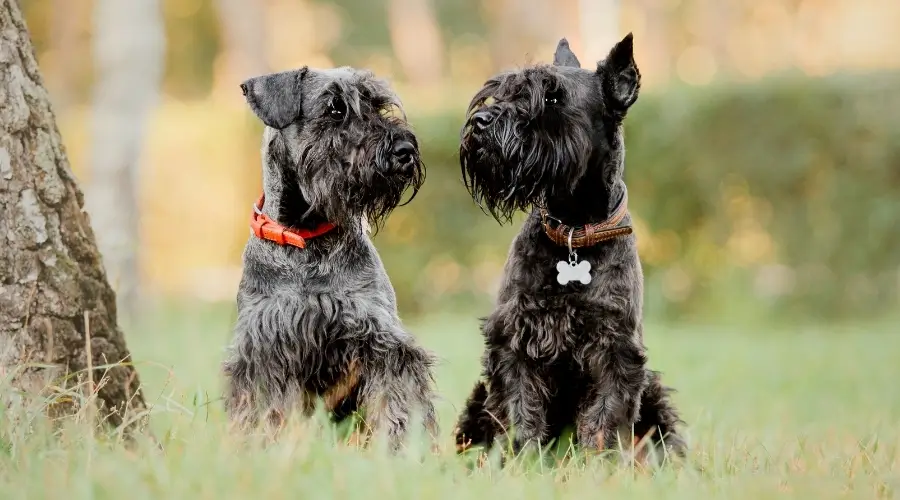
{"x": 265, "y": 228}
{"x": 589, "y": 234}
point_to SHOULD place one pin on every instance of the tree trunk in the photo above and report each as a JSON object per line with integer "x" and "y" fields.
{"x": 128, "y": 50}
{"x": 52, "y": 283}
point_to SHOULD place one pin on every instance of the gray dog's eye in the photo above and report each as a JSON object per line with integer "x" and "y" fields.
{"x": 552, "y": 97}
{"x": 337, "y": 108}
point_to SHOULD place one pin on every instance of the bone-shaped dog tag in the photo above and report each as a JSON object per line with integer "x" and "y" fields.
{"x": 572, "y": 271}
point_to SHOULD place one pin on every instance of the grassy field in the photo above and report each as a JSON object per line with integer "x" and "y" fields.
{"x": 799, "y": 413}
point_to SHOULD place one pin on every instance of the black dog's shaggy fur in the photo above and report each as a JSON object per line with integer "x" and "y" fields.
{"x": 557, "y": 355}
{"x": 321, "y": 322}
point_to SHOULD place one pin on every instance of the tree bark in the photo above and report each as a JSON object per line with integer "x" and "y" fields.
{"x": 128, "y": 50}
{"x": 52, "y": 281}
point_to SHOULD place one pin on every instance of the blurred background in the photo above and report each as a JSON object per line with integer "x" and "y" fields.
{"x": 763, "y": 155}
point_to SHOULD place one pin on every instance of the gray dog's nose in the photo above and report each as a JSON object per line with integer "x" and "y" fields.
{"x": 481, "y": 120}
{"x": 403, "y": 150}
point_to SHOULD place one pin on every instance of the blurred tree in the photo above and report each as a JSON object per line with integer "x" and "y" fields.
{"x": 516, "y": 25}
{"x": 521, "y": 28}
{"x": 416, "y": 40}
{"x": 56, "y": 306}
{"x": 244, "y": 37}
{"x": 193, "y": 44}
{"x": 128, "y": 49}
{"x": 461, "y": 17}
{"x": 60, "y": 35}
{"x": 63, "y": 34}
{"x": 599, "y": 25}
{"x": 657, "y": 58}
{"x": 719, "y": 26}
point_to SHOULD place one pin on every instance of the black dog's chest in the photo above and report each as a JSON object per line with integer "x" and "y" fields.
{"x": 543, "y": 318}
{"x": 546, "y": 329}
{"x": 569, "y": 384}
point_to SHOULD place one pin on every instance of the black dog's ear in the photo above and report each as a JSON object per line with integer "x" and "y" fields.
{"x": 620, "y": 75}
{"x": 564, "y": 55}
{"x": 275, "y": 98}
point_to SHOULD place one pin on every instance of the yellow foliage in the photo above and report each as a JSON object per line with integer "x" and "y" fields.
{"x": 199, "y": 176}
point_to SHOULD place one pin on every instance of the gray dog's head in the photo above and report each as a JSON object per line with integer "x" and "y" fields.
{"x": 532, "y": 135}
{"x": 337, "y": 146}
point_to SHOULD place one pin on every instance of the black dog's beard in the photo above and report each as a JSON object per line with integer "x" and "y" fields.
{"x": 508, "y": 167}
{"x": 368, "y": 183}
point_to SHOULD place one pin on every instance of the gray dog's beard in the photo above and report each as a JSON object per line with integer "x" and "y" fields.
{"x": 322, "y": 189}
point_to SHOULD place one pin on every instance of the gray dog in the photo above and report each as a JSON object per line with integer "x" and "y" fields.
{"x": 317, "y": 315}
{"x": 564, "y": 345}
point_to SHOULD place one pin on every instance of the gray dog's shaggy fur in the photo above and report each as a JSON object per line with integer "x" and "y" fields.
{"x": 572, "y": 355}
{"x": 321, "y": 322}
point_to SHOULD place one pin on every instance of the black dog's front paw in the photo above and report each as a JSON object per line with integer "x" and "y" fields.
{"x": 475, "y": 426}
{"x": 606, "y": 421}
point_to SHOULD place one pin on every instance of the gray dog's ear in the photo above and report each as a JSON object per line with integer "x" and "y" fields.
{"x": 275, "y": 98}
{"x": 621, "y": 78}
{"x": 564, "y": 55}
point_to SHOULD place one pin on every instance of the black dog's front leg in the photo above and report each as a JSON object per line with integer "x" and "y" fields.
{"x": 658, "y": 418}
{"x": 527, "y": 400}
{"x": 612, "y": 402}
{"x": 478, "y": 425}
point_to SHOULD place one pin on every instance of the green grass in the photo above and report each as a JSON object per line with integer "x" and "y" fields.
{"x": 801, "y": 413}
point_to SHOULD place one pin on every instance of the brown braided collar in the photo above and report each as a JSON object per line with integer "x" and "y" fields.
{"x": 589, "y": 234}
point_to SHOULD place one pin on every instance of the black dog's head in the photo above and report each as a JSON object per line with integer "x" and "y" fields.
{"x": 532, "y": 135}
{"x": 337, "y": 145}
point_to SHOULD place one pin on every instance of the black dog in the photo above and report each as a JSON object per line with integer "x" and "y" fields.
{"x": 317, "y": 315}
{"x": 564, "y": 345}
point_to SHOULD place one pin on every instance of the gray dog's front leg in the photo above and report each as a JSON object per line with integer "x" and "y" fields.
{"x": 398, "y": 387}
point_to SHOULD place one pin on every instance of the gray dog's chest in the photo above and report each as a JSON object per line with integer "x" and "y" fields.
{"x": 316, "y": 301}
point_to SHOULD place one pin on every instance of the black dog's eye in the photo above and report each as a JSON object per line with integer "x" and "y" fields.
{"x": 337, "y": 109}
{"x": 553, "y": 97}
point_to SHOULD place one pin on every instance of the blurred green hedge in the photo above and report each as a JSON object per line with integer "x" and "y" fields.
{"x": 776, "y": 198}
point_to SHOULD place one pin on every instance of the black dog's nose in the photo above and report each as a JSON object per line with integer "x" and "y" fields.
{"x": 403, "y": 150}
{"x": 482, "y": 119}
